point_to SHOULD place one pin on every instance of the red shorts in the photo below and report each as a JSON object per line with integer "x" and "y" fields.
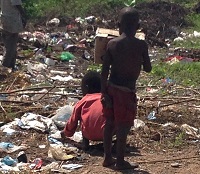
{"x": 124, "y": 106}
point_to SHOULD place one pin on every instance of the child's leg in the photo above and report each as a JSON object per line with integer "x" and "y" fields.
{"x": 85, "y": 144}
{"x": 107, "y": 141}
{"x": 122, "y": 133}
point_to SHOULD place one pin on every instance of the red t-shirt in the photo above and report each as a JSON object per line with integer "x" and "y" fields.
{"x": 89, "y": 111}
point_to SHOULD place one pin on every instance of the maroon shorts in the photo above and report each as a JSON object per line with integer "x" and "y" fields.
{"x": 124, "y": 106}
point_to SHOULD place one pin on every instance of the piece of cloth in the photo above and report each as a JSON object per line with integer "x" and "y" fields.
{"x": 10, "y": 43}
{"x": 89, "y": 112}
{"x": 10, "y": 16}
{"x": 124, "y": 107}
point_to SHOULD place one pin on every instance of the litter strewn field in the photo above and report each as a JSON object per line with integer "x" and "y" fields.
{"x": 51, "y": 62}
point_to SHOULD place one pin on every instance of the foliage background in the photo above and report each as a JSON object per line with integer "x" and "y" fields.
{"x": 38, "y": 8}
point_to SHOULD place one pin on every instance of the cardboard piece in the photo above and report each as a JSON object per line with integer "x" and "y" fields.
{"x": 103, "y": 36}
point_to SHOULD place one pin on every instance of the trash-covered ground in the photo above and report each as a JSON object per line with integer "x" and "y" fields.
{"x": 36, "y": 100}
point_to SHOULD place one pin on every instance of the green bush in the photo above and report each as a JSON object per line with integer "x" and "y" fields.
{"x": 38, "y": 8}
{"x": 186, "y": 74}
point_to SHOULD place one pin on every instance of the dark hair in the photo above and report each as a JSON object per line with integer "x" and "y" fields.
{"x": 128, "y": 19}
{"x": 91, "y": 83}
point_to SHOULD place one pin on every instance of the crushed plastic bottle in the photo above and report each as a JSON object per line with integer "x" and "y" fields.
{"x": 152, "y": 116}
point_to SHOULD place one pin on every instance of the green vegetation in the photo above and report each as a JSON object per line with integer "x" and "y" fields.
{"x": 188, "y": 43}
{"x": 38, "y": 8}
{"x": 185, "y": 3}
{"x": 180, "y": 73}
{"x": 186, "y": 74}
{"x": 94, "y": 67}
{"x": 179, "y": 140}
{"x": 194, "y": 20}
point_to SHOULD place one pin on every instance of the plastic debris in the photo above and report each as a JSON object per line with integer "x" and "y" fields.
{"x": 10, "y": 148}
{"x": 53, "y": 140}
{"x": 169, "y": 125}
{"x": 86, "y": 55}
{"x": 72, "y": 166}
{"x": 59, "y": 152}
{"x": 138, "y": 123}
{"x": 9, "y": 161}
{"x": 37, "y": 122}
{"x": 196, "y": 34}
{"x": 168, "y": 81}
{"x": 77, "y": 137}
{"x": 6, "y": 145}
{"x": 189, "y": 130}
{"x": 49, "y": 61}
{"x": 37, "y": 164}
{"x": 178, "y": 39}
{"x": 152, "y": 116}
{"x": 66, "y": 56}
{"x": 56, "y": 135}
{"x": 175, "y": 164}
{"x": 62, "y": 115}
{"x": 54, "y": 22}
{"x": 62, "y": 79}
{"x": 42, "y": 146}
{"x": 54, "y": 165}
{"x": 3, "y": 97}
{"x": 151, "y": 90}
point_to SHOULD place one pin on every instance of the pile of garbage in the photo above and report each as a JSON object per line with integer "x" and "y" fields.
{"x": 159, "y": 20}
{"x": 21, "y": 155}
{"x": 40, "y": 149}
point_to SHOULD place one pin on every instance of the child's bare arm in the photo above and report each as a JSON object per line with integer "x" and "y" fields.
{"x": 105, "y": 99}
{"x": 105, "y": 70}
{"x": 146, "y": 60}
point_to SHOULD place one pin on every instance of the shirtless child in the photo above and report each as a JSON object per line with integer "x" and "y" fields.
{"x": 125, "y": 55}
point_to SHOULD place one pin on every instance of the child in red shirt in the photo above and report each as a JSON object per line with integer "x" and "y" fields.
{"x": 88, "y": 111}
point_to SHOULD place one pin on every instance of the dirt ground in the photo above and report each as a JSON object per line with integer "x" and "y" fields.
{"x": 157, "y": 149}
{"x": 154, "y": 157}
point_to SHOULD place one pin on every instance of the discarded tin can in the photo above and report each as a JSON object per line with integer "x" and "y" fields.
{"x": 21, "y": 157}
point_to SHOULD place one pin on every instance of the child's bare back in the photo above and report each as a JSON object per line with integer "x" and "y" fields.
{"x": 127, "y": 55}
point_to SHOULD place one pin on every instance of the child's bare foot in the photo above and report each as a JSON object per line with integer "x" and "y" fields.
{"x": 109, "y": 162}
{"x": 126, "y": 165}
